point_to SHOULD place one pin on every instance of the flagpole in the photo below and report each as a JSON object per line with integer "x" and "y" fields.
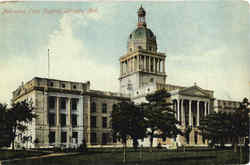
{"x": 48, "y": 64}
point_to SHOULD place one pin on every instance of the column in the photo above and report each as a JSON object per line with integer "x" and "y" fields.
{"x": 190, "y": 112}
{"x": 205, "y": 108}
{"x": 144, "y": 63}
{"x": 120, "y": 68}
{"x": 177, "y": 109}
{"x": 163, "y": 66}
{"x": 135, "y": 64}
{"x": 57, "y": 111}
{"x": 68, "y": 110}
{"x": 149, "y": 58}
{"x": 182, "y": 112}
{"x": 159, "y": 65}
{"x": 153, "y": 64}
{"x": 208, "y": 108}
{"x": 198, "y": 113}
{"x": 125, "y": 66}
{"x": 139, "y": 62}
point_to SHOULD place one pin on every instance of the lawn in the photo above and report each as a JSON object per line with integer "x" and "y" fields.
{"x": 10, "y": 154}
{"x": 133, "y": 158}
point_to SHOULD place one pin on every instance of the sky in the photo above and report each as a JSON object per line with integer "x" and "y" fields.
{"x": 206, "y": 42}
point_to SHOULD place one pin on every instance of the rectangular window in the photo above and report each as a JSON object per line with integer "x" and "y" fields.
{"x": 104, "y": 138}
{"x": 104, "y": 122}
{"x": 74, "y": 104}
{"x": 63, "y": 137}
{"x": 52, "y": 119}
{"x": 93, "y": 138}
{"x": 104, "y": 108}
{"x": 62, "y": 103}
{"x": 93, "y": 107}
{"x": 93, "y": 121}
{"x": 52, "y": 102}
{"x": 203, "y": 139}
{"x": 75, "y": 137}
{"x": 52, "y": 137}
{"x": 63, "y": 120}
{"x": 74, "y": 120}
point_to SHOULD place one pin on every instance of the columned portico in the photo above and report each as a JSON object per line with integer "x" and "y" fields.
{"x": 191, "y": 105}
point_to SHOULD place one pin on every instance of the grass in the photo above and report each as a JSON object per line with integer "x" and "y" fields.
{"x": 11, "y": 154}
{"x": 133, "y": 158}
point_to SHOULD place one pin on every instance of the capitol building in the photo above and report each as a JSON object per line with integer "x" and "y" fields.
{"x": 72, "y": 112}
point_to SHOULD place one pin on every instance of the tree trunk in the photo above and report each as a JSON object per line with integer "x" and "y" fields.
{"x": 13, "y": 139}
{"x": 124, "y": 152}
{"x": 151, "y": 142}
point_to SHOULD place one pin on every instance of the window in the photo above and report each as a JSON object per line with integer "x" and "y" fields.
{"x": 52, "y": 137}
{"x": 75, "y": 137}
{"x": 113, "y": 107}
{"x": 74, "y": 120}
{"x": 51, "y": 84}
{"x": 74, "y": 86}
{"x": 104, "y": 108}
{"x": 63, "y": 85}
{"x": 52, "y": 119}
{"x": 93, "y": 138}
{"x": 93, "y": 107}
{"x": 93, "y": 121}
{"x": 74, "y": 104}
{"x": 104, "y": 138}
{"x": 63, "y": 137}
{"x": 63, "y": 103}
{"x": 63, "y": 120}
{"x": 52, "y": 101}
{"x": 104, "y": 122}
{"x": 203, "y": 139}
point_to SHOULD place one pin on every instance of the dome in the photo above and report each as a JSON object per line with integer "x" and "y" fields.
{"x": 142, "y": 38}
{"x": 141, "y": 33}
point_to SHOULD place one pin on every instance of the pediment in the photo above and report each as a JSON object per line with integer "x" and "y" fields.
{"x": 194, "y": 91}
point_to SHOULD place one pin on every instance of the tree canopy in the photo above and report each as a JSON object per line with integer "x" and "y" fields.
{"x": 216, "y": 127}
{"x": 16, "y": 118}
{"x": 160, "y": 116}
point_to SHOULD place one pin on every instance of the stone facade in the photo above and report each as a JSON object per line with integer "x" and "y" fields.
{"x": 65, "y": 113}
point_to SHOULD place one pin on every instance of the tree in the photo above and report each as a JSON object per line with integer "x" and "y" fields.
{"x": 5, "y": 129}
{"x": 159, "y": 116}
{"x": 218, "y": 126}
{"x": 127, "y": 122}
{"x": 19, "y": 115}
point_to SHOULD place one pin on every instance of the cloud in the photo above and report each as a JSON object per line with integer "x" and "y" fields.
{"x": 69, "y": 60}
